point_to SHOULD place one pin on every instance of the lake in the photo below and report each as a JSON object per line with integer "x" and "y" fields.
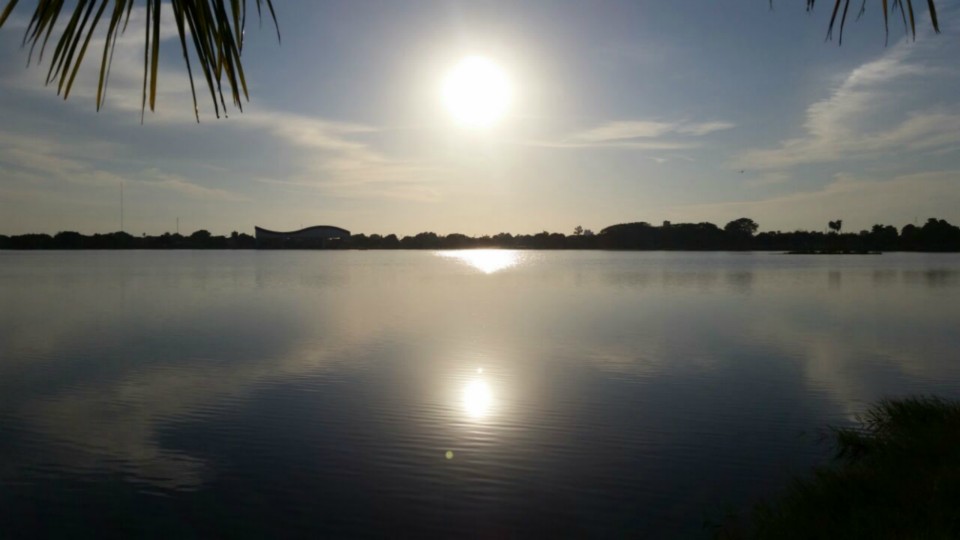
{"x": 471, "y": 393}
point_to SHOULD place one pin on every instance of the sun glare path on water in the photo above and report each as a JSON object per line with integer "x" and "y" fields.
{"x": 477, "y": 398}
{"x": 477, "y": 92}
{"x": 487, "y": 261}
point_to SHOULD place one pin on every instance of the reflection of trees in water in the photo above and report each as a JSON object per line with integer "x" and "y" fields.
{"x": 741, "y": 280}
{"x": 685, "y": 279}
{"x": 932, "y": 278}
{"x": 885, "y": 277}
{"x": 942, "y": 277}
{"x": 835, "y": 279}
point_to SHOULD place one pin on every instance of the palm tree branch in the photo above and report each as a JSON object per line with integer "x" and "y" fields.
{"x": 109, "y": 44}
{"x": 7, "y": 11}
{"x": 933, "y": 16}
{"x": 216, "y": 30}
{"x": 60, "y": 53}
{"x": 202, "y": 55}
{"x": 886, "y": 24}
{"x": 83, "y": 48}
{"x": 178, "y": 17}
{"x": 46, "y": 38}
{"x": 155, "y": 54}
{"x": 906, "y": 11}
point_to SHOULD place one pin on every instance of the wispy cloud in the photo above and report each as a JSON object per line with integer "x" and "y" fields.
{"x": 47, "y": 163}
{"x": 844, "y": 125}
{"x": 325, "y": 155}
{"x": 770, "y": 178}
{"x": 336, "y": 161}
{"x": 45, "y": 159}
{"x": 636, "y": 135}
{"x": 154, "y": 178}
{"x": 617, "y": 132}
{"x": 704, "y": 128}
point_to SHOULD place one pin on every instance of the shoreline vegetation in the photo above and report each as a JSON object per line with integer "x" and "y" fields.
{"x": 738, "y": 235}
{"x": 896, "y": 474}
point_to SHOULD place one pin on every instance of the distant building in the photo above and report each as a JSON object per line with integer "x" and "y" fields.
{"x": 316, "y": 236}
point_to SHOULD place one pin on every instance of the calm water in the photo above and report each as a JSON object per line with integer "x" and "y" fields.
{"x": 179, "y": 394}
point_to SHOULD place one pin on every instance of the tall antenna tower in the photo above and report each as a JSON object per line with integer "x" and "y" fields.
{"x": 121, "y": 205}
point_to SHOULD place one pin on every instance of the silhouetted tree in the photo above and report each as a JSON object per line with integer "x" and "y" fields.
{"x": 835, "y": 226}
{"x": 391, "y": 241}
{"x": 909, "y": 235}
{"x": 743, "y": 227}
{"x": 504, "y": 240}
{"x": 68, "y": 240}
{"x": 935, "y": 235}
{"x": 456, "y": 241}
{"x": 884, "y": 237}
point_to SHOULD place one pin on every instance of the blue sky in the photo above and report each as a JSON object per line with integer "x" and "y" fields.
{"x": 622, "y": 111}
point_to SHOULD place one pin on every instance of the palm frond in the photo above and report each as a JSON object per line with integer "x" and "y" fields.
{"x": 887, "y": 7}
{"x": 215, "y": 30}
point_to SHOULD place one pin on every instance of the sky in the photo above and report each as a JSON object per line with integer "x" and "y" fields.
{"x": 619, "y": 111}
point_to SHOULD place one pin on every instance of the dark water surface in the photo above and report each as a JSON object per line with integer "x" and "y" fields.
{"x": 475, "y": 394}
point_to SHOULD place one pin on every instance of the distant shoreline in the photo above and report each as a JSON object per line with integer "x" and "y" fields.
{"x": 936, "y": 235}
{"x": 342, "y": 249}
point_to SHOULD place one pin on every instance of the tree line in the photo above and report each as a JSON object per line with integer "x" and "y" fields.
{"x": 737, "y": 235}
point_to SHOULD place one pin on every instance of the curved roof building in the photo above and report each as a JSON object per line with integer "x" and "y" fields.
{"x": 319, "y": 236}
{"x": 317, "y": 232}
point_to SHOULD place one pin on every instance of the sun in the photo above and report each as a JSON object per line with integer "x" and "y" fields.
{"x": 477, "y": 92}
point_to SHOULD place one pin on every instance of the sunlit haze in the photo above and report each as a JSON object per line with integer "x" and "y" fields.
{"x": 487, "y": 117}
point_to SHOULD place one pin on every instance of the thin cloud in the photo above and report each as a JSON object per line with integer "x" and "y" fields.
{"x": 771, "y": 178}
{"x": 38, "y": 160}
{"x": 630, "y": 145}
{"x": 156, "y": 179}
{"x": 835, "y": 128}
{"x": 336, "y": 162}
{"x": 704, "y": 128}
{"x": 648, "y": 135}
{"x": 626, "y": 130}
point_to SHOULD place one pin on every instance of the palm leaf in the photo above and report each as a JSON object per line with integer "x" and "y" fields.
{"x": 886, "y": 7}
{"x": 215, "y": 30}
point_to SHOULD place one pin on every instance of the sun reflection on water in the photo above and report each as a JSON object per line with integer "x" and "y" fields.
{"x": 487, "y": 261}
{"x": 477, "y": 398}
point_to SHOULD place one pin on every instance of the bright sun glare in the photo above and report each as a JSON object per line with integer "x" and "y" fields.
{"x": 476, "y": 92}
{"x": 477, "y": 398}
{"x": 487, "y": 261}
